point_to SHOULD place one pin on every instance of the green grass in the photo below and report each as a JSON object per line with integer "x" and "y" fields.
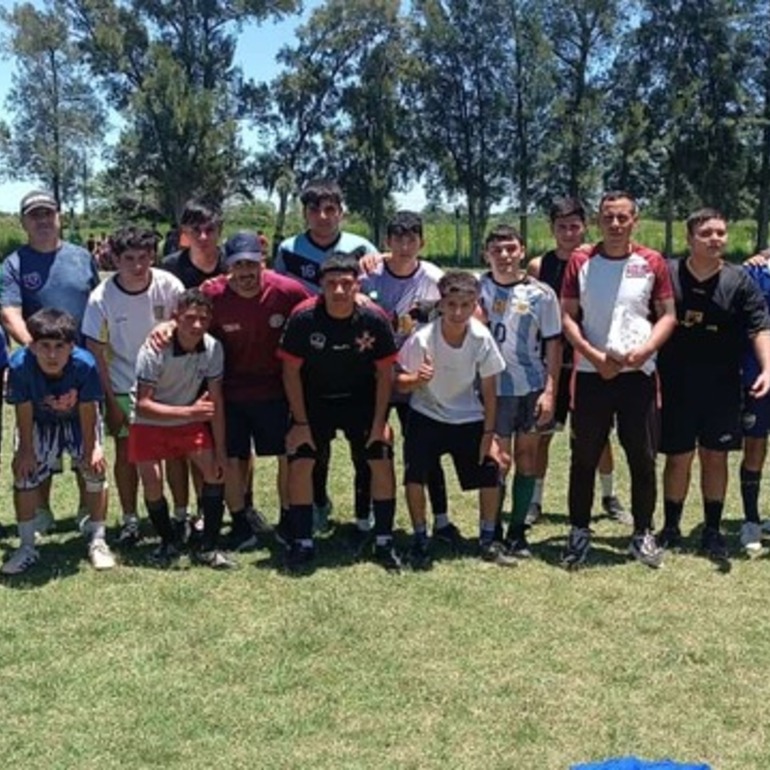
{"x": 469, "y": 666}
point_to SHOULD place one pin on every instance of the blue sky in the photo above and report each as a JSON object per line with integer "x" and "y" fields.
{"x": 257, "y": 48}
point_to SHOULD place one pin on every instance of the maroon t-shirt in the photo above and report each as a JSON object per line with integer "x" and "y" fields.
{"x": 250, "y": 330}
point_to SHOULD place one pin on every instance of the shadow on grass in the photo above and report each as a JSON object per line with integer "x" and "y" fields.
{"x": 57, "y": 560}
{"x": 551, "y": 550}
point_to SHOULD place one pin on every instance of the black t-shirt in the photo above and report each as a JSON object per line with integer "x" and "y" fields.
{"x": 552, "y": 273}
{"x": 180, "y": 265}
{"x": 714, "y": 319}
{"x": 338, "y": 355}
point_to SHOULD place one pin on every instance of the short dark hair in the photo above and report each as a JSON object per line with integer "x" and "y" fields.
{"x": 700, "y": 216}
{"x": 133, "y": 237}
{"x": 52, "y": 324}
{"x": 200, "y": 211}
{"x": 567, "y": 207}
{"x": 618, "y": 195}
{"x": 317, "y": 190}
{"x": 458, "y": 282}
{"x": 192, "y": 298}
{"x": 405, "y": 222}
{"x": 503, "y": 232}
{"x": 339, "y": 262}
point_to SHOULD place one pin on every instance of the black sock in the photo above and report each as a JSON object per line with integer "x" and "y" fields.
{"x": 712, "y": 513}
{"x": 384, "y": 514}
{"x": 362, "y": 501}
{"x": 672, "y": 513}
{"x": 157, "y": 510}
{"x": 212, "y": 502}
{"x": 240, "y": 522}
{"x": 750, "y": 493}
{"x": 300, "y": 518}
{"x": 248, "y": 498}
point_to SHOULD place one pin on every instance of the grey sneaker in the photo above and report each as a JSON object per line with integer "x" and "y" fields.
{"x": 615, "y": 510}
{"x": 258, "y": 521}
{"x": 645, "y": 549}
{"x": 751, "y": 538}
{"x": 496, "y": 553}
{"x": 21, "y": 560}
{"x": 578, "y": 546}
{"x": 129, "y": 534}
{"x": 215, "y": 559}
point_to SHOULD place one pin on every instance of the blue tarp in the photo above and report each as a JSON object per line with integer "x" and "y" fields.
{"x": 632, "y": 763}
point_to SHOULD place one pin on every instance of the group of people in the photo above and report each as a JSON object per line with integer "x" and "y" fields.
{"x": 198, "y": 365}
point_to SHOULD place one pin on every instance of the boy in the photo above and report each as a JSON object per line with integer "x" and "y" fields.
{"x": 406, "y": 287}
{"x": 440, "y": 364}
{"x": 120, "y": 314}
{"x": 54, "y": 387}
{"x": 523, "y": 314}
{"x": 338, "y": 375}
{"x": 171, "y": 419}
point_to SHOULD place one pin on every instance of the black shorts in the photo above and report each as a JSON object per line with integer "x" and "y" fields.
{"x": 263, "y": 423}
{"x": 563, "y": 398}
{"x": 700, "y": 411}
{"x": 427, "y": 440}
{"x": 349, "y": 415}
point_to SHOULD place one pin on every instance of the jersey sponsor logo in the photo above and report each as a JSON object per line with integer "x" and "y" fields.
{"x": 692, "y": 318}
{"x": 637, "y": 270}
{"x": 749, "y": 420}
{"x": 32, "y": 281}
{"x": 365, "y": 342}
{"x": 158, "y": 312}
{"x": 276, "y": 321}
{"x": 317, "y": 341}
{"x": 231, "y": 328}
{"x": 62, "y": 404}
{"x": 725, "y": 438}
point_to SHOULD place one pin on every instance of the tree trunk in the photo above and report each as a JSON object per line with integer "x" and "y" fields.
{"x": 763, "y": 204}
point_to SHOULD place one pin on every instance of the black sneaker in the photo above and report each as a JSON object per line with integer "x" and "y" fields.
{"x": 713, "y": 545}
{"x": 495, "y": 553}
{"x": 419, "y": 555}
{"x": 578, "y": 545}
{"x": 387, "y": 557}
{"x": 359, "y": 541}
{"x": 450, "y": 535}
{"x": 518, "y": 547}
{"x": 215, "y": 560}
{"x": 615, "y": 510}
{"x": 645, "y": 548}
{"x": 299, "y": 558}
{"x": 130, "y": 534}
{"x": 165, "y": 556}
{"x": 670, "y": 538}
{"x": 242, "y": 540}
{"x": 3, "y": 531}
{"x": 281, "y": 533}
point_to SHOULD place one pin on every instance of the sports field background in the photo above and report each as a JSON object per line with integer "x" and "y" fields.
{"x": 468, "y": 666}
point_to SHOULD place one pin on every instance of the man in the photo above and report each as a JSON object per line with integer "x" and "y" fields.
{"x": 338, "y": 374}
{"x": 568, "y": 227}
{"x": 45, "y": 272}
{"x": 718, "y": 309}
{"x": 301, "y": 257}
{"x": 607, "y": 294}
{"x": 250, "y": 309}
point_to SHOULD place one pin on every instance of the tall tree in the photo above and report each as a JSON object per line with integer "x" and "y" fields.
{"x": 57, "y": 121}
{"x": 168, "y": 68}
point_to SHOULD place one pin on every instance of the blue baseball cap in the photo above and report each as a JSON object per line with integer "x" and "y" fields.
{"x": 243, "y": 246}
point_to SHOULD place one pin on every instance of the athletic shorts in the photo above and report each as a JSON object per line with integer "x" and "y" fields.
{"x": 50, "y": 442}
{"x": 261, "y": 424}
{"x": 151, "y": 443}
{"x": 516, "y": 414}
{"x": 700, "y": 413}
{"x": 427, "y": 440}
{"x": 756, "y": 416}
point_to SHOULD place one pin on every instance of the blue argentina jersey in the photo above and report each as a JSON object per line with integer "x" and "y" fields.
{"x": 300, "y": 257}
{"x": 520, "y": 317}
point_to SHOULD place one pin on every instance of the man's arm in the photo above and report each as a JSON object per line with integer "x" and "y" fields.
{"x": 93, "y": 453}
{"x": 384, "y": 380}
{"x": 15, "y": 324}
{"x": 218, "y": 420}
{"x": 488, "y": 446}
{"x": 545, "y": 403}
{"x": 146, "y": 406}
{"x": 115, "y": 416}
{"x": 761, "y": 344}
{"x": 24, "y": 460}
{"x": 607, "y": 367}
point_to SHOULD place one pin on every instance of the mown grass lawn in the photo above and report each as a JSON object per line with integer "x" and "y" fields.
{"x": 468, "y": 666}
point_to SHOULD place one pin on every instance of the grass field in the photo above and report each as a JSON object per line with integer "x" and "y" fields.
{"x": 468, "y": 666}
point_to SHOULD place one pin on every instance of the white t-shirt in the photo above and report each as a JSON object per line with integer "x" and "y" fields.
{"x": 451, "y": 396}
{"x": 122, "y": 321}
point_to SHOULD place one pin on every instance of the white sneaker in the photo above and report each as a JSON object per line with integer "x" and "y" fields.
{"x": 100, "y": 554}
{"x": 751, "y": 538}
{"x": 43, "y": 521}
{"x": 21, "y": 560}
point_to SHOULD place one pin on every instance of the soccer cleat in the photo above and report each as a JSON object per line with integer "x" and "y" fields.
{"x": 670, "y": 538}
{"x": 518, "y": 547}
{"x": 321, "y": 514}
{"x": 495, "y": 553}
{"x": 713, "y": 545}
{"x": 751, "y": 538}
{"x": 100, "y": 554}
{"x": 387, "y": 557}
{"x": 534, "y": 512}
{"x": 615, "y": 510}
{"x": 129, "y": 534}
{"x": 359, "y": 540}
{"x": 578, "y": 545}
{"x": 242, "y": 540}
{"x": 165, "y": 556}
{"x": 450, "y": 535}
{"x": 419, "y": 555}
{"x": 645, "y": 549}
{"x": 21, "y": 560}
{"x": 299, "y": 558}
{"x": 44, "y": 521}
{"x": 258, "y": 521}
{"x": 215, "y": 560}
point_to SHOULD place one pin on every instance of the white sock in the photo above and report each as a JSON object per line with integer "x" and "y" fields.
{"x": 97, "y": 530}
{"x": 607, "y": 482}
{"x": 537, "y": 492}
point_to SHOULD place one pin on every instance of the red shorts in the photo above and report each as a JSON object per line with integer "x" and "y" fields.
{"x": 147, "y": 443}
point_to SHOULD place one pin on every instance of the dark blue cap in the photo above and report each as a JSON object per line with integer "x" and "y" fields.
{"x": 243, "y": 245}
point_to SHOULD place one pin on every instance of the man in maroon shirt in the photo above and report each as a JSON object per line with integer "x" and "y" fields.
{"x": 251, "y": 305}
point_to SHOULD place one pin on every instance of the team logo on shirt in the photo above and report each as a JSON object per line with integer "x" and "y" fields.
{"x": 231, "y": 328}
{"x": 637, "y": 270}
{"x": 32, "y": 281}
{"x": 64, "y": 403}
{"x": 692, "y": 318}
{"x": 276, "y": 321}
{"x": 365, "y": 342}
{"x": 317, "y": 341}
{"x": 522, "y": 306}
{"x": 498, "y": 306}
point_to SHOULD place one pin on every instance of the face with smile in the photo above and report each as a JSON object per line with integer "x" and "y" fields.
{"x": 504, "y": 257}
{"x": 246, "y": 277}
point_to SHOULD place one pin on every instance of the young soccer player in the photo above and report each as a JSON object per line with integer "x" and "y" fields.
{"x": 524, "y": 316}
{"x": 54, "y": 387}
{"x": 440, "y": 365}
{"x": 178, "y": 412}
{"x": 120, "y": 314}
